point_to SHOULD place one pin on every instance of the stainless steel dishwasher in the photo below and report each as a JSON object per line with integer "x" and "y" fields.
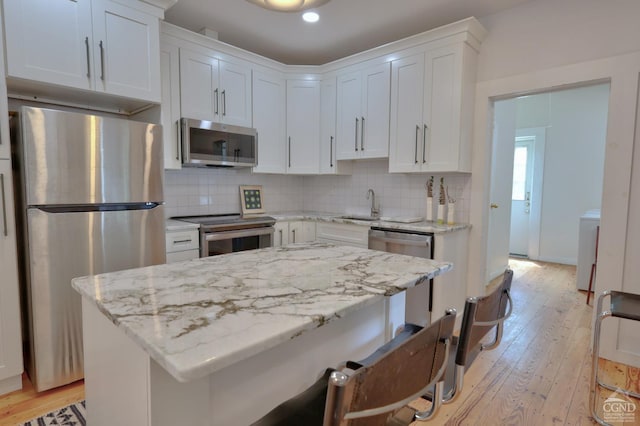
{"x": 412, "y": 243}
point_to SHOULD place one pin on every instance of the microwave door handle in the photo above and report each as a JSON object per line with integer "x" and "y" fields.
{"x": 226, "y": 235}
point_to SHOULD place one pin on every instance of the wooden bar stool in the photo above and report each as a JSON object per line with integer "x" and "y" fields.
{"x": 623, "y": 306}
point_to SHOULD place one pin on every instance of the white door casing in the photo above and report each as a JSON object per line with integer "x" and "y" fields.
{"x": 504, "y": 131}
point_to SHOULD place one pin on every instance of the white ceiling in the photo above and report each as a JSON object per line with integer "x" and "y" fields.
{"x": 345, "y": 26}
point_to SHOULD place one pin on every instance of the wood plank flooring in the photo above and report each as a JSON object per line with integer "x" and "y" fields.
{"x": 539, "y": 375}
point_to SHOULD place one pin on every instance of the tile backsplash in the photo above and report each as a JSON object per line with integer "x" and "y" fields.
{"x": 214, "y": 191}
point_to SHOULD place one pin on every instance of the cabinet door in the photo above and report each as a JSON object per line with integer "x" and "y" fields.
{"x": 10, "y": 343}
{"x": 303, "y": 126}
{"x": 235, "y": 94}
{"x": 296, "y": 232}
{"x": 406, "y": 140}
{"x": 281, "y": 235}
{"x": 374, "y": 125}
{"x": 269, "y": 120}
{"x": 126, "y": 46}
{"x": 199, "y": 93}
{"x": 328, "y": 126}
{"x": 170, "y": 108}
{"x": 442, "y": 108}
{"x": 349, "y": 94}
{"x": 49, "y": 41}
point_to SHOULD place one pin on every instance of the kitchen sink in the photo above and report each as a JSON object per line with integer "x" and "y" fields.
{"x": 359, "y": 217}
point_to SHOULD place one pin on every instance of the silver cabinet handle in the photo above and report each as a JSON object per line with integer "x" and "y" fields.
{"x": 289, "y": 151}
{"x": 257, "y": 145}
{"x": 331, "y": 152}
{"x": 182, "y": 241}
{"x": 416, "y": 153}
{"x": 215, "y": 102}
{"x": 224, "y": 102}
{"x": 280, "y": 230}
{"x": 424, "y": 143}
{"x": 86, "y": 45}
{"x": 178, "y": 141}
{"x": 293, "y": 233}
{"x": 101, "y": 60}
{"x": 356, "y": 137}
{"x": 4, "y": 206}
{"x": 362, "y": 135}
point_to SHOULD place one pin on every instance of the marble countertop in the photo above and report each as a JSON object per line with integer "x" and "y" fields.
{"x": 421, "y": 226}
{"x": 199, "y": 316}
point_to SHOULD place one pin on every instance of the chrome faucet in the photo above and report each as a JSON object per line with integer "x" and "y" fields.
{"x": 375, "y": 211}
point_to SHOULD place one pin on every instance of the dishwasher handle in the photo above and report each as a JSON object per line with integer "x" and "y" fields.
{"x": 416, "y": 240}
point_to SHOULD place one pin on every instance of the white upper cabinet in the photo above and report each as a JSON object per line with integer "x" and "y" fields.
{"x": 214, "y": 90}
{"x": 303, "y": 126}
{"x": 269, "y": 120}
{"x": 328, "y": 163}
{"x": 94, "y": 45}
{"x": 363, "y": 113}
{"x": 432, "y": 110}
{"x": 170, "y": 108}
{"x": 126, "y": 45}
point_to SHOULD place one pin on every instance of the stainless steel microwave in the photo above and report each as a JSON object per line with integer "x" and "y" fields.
{"x": 205, "y": 143}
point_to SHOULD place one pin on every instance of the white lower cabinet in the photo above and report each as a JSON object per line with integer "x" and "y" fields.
{"x": 450, "y": 288}
{"x": 295, "y": 231}
{"x": 343, "y": 234}
{"x": 10, "y": 338}
{"x": 182, "y": 245}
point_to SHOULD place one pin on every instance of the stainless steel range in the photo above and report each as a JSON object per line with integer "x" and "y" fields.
{"x": 228, "y": 233}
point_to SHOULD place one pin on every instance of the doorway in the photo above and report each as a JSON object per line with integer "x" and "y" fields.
{"x": 573, "y": 124}
{"x": 526, "y": 196}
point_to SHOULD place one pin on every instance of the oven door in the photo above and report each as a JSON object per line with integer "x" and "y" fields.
{"x": 223, "y": 242}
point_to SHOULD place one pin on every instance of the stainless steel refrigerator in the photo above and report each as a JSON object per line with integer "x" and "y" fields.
{"x": 89, "y": 200}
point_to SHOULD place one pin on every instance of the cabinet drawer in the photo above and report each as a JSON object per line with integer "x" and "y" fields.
{"x": 182, "y": 240}
{"x": 343, "y": 233}
{"x": 182, "y": 255}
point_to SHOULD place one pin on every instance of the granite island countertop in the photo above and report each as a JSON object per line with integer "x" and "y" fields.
{"x": 199, "y": 316}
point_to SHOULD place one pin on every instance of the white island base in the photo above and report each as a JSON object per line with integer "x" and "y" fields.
{"x": 124, "y": 386}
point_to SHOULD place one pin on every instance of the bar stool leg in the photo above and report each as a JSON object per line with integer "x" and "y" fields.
{"x": 596, "y": 355}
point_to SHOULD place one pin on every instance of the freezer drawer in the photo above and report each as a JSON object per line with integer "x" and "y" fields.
{"x": 62, "y": 246}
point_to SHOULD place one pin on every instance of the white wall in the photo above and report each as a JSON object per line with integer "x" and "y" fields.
{"x": 576, "y": 122}
{"x": 546, "y": 44}
{"x": 542, "y": 34}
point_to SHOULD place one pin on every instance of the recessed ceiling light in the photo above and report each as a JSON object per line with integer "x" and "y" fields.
{"x": 310, "y": 17}
{"x": 288, "y": 5}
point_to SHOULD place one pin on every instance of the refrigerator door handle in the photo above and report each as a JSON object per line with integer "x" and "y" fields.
{"x": 72, "y": 208}
{"x": 4, "y": 206}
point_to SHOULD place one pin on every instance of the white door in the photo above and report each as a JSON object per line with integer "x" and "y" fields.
{"x": 303, "y": 126}
{"x": 126, "y": 47}
{"x": 504, "y": 133}
{"x": 443, "y": 88}
{"x": 328, "y": 126}
{"x": 50, "y": 41}
{"x": 374, "y": 127}
{"x": 198, "y": 86}
{"x": 269, "y": 120}
{"x": 349, "y": 94}
{"x": 521, "y": 196}
{"x": 406, "y": 124}
{"x": 235, "y": 94}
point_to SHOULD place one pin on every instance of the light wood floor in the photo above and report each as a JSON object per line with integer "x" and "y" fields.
{"x": 539, "y": 375}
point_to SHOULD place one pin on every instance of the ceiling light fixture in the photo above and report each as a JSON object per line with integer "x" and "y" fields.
{"x": 288, "y": 5}
{"x": 310, "y": 17}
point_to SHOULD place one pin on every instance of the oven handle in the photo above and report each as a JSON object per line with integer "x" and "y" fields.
{"x": 226, "y": 235}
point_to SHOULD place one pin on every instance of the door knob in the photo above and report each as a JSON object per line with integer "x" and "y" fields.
{"x": 494, "y": 206}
